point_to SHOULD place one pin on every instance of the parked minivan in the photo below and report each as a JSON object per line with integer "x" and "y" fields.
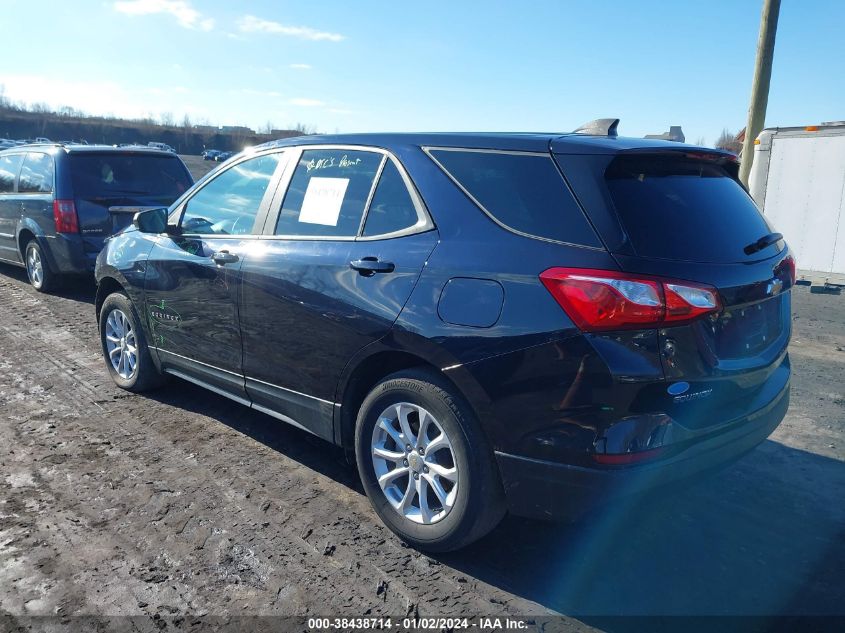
{"x": 58, "y": 203}
{"x": 535, "y": 323}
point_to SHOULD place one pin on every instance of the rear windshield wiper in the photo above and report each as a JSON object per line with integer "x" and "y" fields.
{"x": 763, "y": 242}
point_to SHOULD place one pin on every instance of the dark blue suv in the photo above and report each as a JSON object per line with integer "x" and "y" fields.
{"x": 58, "y": 203}
{"x": 539, "y": 323}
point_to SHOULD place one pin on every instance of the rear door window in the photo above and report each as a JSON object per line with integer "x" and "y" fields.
{"x": 680, "y": 208}
{"x": 117, "y": 175}
{"x": 36, "y": 174}
{"x": 524, "y": 192}
{"x": 328, "y": 193}
{"x": 392, "y": 208}
{"x": 9, "y": 166}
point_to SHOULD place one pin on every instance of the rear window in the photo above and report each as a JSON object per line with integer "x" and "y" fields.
{"x": 525, "y": 192}
{"x": 9, "y": 166}
{"x": 684, "y": 209}
{"x": 36, "y": 174}
{"x": 106, "y": 175}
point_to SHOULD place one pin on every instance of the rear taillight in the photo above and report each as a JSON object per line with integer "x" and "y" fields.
{"x": 787, "y": 268}
{"x": 64, "y": 214}
{"x": 601, "y": 300}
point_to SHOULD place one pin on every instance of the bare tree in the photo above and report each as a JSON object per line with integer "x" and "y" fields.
{"x": 304, "y": 129}
{"x": 166, "y": 119}
{"x": 187, "y": 129}
{"x": 727, "y": 141}
{"x": 268, "y": 128}
{"x": 701, "y": 142}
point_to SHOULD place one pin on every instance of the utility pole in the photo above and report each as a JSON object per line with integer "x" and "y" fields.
{"x": 760, "y": 87}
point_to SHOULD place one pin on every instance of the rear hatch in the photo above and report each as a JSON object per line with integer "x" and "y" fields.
{"x": 110, "y": 187}
{"x": 682, "y": 214}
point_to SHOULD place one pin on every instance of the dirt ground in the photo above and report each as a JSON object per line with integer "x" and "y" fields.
{"x": 182, "y": 502}
{"x": 197, "y": 166}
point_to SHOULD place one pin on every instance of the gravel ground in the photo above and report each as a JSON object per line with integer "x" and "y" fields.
{"x": 182, "y": 502}
{"x": 197, "y": 166}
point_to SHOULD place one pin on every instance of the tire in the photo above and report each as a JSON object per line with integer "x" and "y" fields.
{"x": 457, "y": 513}
{"x": 143, "y": 374}
{"x": 37, "y": 269}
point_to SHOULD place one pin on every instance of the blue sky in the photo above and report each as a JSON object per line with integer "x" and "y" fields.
{"x": 361, "y": 65}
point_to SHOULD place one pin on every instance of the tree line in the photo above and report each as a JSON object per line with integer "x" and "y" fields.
{"x": 29, "y": 121}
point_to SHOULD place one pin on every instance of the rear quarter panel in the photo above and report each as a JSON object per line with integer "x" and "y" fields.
{"x": 531, "y": 372}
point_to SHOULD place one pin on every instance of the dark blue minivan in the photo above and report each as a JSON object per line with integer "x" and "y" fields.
{"x": 533, "y": 323}
{"x": 59, "y": 202}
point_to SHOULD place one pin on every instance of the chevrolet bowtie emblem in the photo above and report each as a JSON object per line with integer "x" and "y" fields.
{"x": 774, "y": 287}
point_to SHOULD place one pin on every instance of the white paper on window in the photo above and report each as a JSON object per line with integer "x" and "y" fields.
{"x": 323, "y": 199}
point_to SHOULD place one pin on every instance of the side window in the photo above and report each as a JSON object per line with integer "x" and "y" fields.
{"x": 525, "y": 192}
{"x": 328, "y": 193}
{"x": 36, "y": 174}
{"x": 392, "y": 208}
{"x": 9, "y": 166}
{"x": 229, "y": 203}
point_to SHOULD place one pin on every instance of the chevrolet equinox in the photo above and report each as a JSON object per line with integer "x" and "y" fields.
{"x": 533, "y": 323}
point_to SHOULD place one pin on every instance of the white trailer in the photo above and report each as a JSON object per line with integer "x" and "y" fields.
{"x": 798, "y": 181}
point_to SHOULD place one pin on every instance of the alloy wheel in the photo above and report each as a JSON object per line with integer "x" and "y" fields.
{"x": 414, "y": 463}
{"x": 34, "y": 267}
{"x": 121, "y": 344}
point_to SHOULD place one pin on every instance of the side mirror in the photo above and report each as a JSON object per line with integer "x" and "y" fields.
{"x": 151, "y": 220}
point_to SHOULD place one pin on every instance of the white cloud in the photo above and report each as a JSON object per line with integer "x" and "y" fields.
{"x": 252, "y": 24}
{"x": 301, "y": 66}
{"x": 340, "y": 111}
{"x": 306, "y": 103}
{"x": 252, "y": 92}
{"x": 185, "y": 14}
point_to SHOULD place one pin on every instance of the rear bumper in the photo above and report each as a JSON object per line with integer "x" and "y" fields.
{"x": 67, "y": 254}
{"x": 543, "y": 489}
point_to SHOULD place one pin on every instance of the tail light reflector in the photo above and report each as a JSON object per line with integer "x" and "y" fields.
{"x": 628, "y": 458}
{"x": 601, "y": 300}
{"x": 64, "y": 214}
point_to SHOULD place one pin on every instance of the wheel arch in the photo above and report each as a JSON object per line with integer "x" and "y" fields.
{"x": 30, "y": 228}
{"x": 105, "y": 287}
{"x": 368, "y": 369}
{"x": 26, "y": 234}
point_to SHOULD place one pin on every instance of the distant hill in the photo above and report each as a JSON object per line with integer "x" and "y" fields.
{"x": 17, "y": 123}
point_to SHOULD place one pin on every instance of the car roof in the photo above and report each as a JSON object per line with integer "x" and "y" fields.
{"x": 78, "y": 148}
{"x": 513, "y": 141}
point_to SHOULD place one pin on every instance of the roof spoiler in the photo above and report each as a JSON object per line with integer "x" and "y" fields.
{"x": 599, "y": 127}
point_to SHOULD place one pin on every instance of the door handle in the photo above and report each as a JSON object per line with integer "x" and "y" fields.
{"x": 224, "y": 257}
{"x": 369, "y": 266}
